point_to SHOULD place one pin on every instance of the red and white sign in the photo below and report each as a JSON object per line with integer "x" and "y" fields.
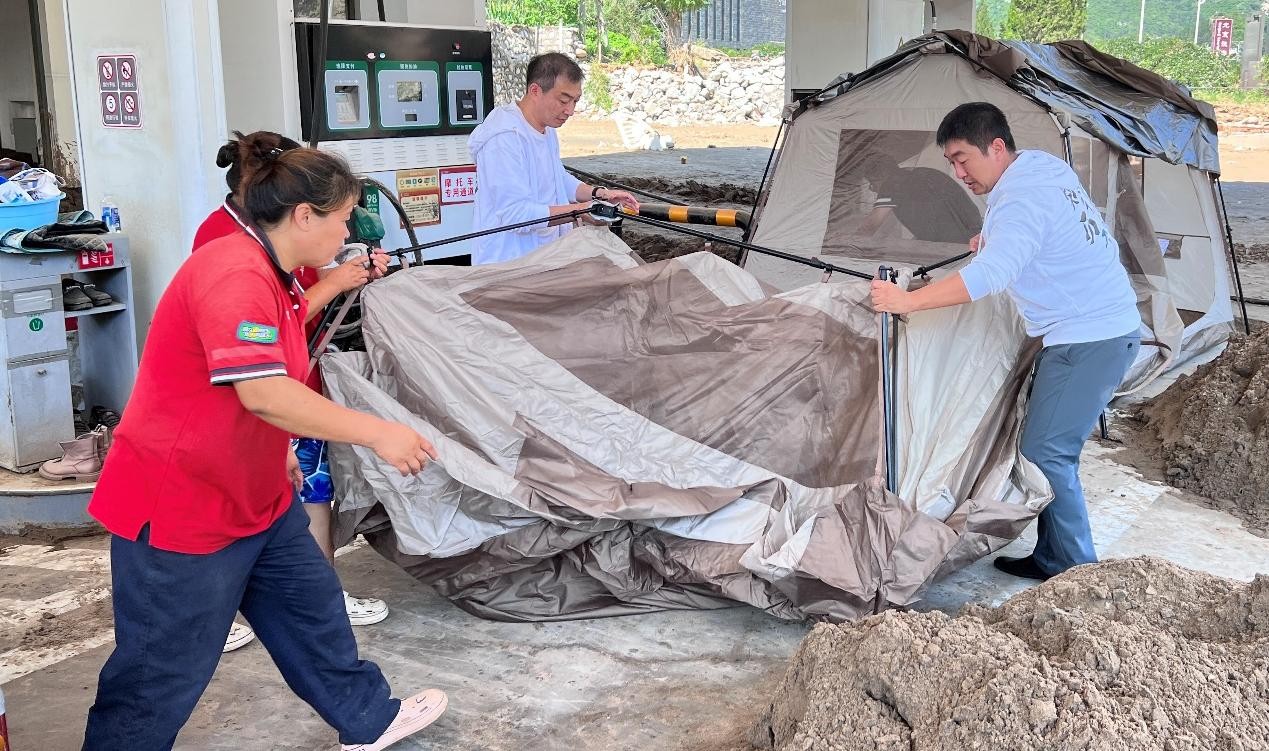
{"x": 1223, "y": 35}
{"x": 458, "y": 184}
{"x": 120, "y": 91}
{"x": 94, "y": 259}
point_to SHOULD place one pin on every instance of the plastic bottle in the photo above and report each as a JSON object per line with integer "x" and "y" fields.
{"x": 110, "y": 215}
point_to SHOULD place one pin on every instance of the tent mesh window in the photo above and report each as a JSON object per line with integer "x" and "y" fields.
{"x": 895, "y": 198}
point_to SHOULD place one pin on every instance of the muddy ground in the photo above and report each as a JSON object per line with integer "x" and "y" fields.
{"x": 1135, "y": 653}
{"x": 1209, "y": 432}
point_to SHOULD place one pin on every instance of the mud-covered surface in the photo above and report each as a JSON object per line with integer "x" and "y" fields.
{"x": 1134, "y": 653}
{"x": 1209, "y": 432}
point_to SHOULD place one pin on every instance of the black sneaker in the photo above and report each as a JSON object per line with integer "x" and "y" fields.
{"x": 99, "y": 298}
{"x": 1024, "y": 567}
{"x": 73, "y": 297}
{"x": 102, "y": 416}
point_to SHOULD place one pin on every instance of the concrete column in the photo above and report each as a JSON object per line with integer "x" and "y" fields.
{"x": 1253, "y": 44}
{"x": 163, "y": 174}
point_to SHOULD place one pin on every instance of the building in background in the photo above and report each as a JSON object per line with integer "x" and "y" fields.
{"x": 737, "y": 24}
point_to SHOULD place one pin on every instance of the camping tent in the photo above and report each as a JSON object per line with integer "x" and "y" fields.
{"x": 1144, "y": 149}
{"x": 616, "y": 437}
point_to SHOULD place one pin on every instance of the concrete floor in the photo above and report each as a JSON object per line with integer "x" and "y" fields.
{"x": 688, "y": 680}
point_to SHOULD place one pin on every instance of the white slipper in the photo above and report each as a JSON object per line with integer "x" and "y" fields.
{"x": 416, "y": 713}
{"x": 240, "y": 635}
{"x": 363, "y": 611}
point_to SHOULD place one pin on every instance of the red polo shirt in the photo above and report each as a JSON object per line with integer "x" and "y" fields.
{"x": 220, "y": 223}
{"x": 188, "y": 459}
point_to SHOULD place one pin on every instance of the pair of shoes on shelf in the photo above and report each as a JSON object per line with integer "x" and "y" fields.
{"x": 77, "y": 295}
{"x": 102, "y": 416}
{"x": 81, "y": 458}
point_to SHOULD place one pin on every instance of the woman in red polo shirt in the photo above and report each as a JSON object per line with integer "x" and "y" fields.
{"x": 196, "y": 491}
{"x": 320, "y": 288}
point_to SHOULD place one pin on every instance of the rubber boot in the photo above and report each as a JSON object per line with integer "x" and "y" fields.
{"x": 81, "y": 460}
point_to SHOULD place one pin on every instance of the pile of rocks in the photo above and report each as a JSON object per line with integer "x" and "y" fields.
{"x": 514, "y": 46}
{"x": 735, "y": 91}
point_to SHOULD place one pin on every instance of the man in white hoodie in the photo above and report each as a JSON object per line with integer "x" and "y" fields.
{"x": 1045, "y": 245}
{"x": 518, "y": 159}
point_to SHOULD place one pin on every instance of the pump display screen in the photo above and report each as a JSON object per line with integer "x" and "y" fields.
{"x": 409, "y": 91}
{"x": 348, "y": 105}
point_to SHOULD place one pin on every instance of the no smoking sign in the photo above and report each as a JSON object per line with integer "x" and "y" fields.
{"x": 117, "y": 78}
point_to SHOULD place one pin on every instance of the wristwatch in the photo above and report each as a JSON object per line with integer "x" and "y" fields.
{"x": 594, "y": 192}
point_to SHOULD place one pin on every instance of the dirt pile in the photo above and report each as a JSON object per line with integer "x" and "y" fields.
{"x": 1133, "y": 653}
{"x": 1213, "y": 430}
{"x": 659, "y": 245}
{"x": 692, "y": 192}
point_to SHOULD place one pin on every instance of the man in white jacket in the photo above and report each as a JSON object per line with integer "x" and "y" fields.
{"x": 518, "y": 159}
{"x": 1045, "y": 244}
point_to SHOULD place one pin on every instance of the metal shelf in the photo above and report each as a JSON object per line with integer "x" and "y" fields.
{"x": 94, "y": 311}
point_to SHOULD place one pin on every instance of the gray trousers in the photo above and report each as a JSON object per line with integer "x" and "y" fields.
{"x": 1072, "y": 386}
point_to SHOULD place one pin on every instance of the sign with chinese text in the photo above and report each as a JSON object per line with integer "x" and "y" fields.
{"x": 1223, "y": 35}
{"x": 458, "y": 184}
{"x": 120, "y": 91}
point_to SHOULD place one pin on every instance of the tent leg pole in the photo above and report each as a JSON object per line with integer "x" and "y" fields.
{"x": 1101, "y": 424}
{"x": 887, "y": 392}
{"x": 1233, "y": 258}
{"x": 894, "y": 391}
{"x": 762, "y": 184}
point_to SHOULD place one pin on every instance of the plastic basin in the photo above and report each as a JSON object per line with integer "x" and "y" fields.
{"x": 29, "y": 215}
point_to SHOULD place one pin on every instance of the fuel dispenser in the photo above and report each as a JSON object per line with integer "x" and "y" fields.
{"x": 398, "y": 103}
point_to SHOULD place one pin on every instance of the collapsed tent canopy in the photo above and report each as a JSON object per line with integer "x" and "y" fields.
{"x": 616, "y": 437}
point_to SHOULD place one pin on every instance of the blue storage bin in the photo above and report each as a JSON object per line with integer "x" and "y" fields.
{"x": 29, "y": 215}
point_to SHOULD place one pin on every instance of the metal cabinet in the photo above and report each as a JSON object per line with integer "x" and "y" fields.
{"x": 35, "y": 374}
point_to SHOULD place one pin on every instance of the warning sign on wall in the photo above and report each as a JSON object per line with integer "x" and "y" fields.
{"x": 120, "y": 91}
{"x": 419, "y": 191}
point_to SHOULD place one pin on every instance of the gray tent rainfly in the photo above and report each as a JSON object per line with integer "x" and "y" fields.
{"x": 618, "y": 437}
{"x": 1145, "y": 150}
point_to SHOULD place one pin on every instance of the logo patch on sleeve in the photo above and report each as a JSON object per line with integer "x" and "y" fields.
{"x": 257, "y": 333}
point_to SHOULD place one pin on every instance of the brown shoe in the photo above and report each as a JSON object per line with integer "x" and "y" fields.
{"x": 81, "y": 460}
{"x": 105, "y": 437}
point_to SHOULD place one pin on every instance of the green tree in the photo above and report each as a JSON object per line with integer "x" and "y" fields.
{"x": 1119, "y": 19}
{"x": 1193, "y": 65}
{"x": 989, "y": 16}
{"x": 983, "y": 22}
{"x": 1045, "y": 20}
{"x": 671, "y": 14}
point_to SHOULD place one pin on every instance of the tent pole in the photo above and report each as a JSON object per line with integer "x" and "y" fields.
{"x": 925, "y": 270}
{"x": 813, "y": 262}
{"x": 887, "y": 391}
{"x": 334, "y": 314}
{"x": 894, "y": 388}
{"x": 762, "y": 184}
{"x": 1233, "y": 257}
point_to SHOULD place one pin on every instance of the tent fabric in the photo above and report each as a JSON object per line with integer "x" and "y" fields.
{"x": 617, "y": 437}
{"x": 1136, "y": 110}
